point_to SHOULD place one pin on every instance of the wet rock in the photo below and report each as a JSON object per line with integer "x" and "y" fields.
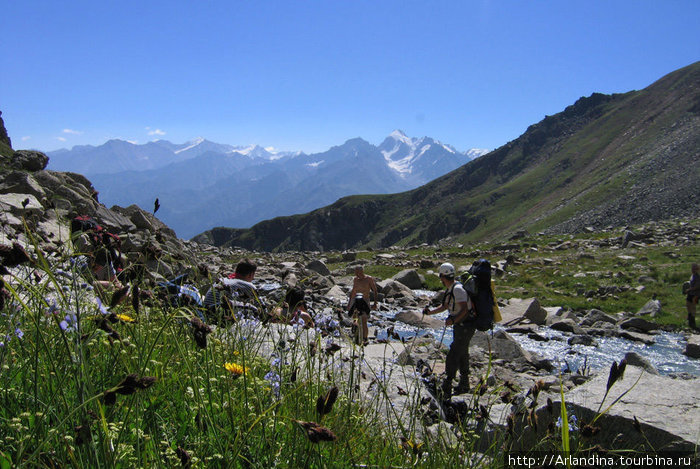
{"x": 566, "y": 325}
{"x": 582, "y": 340}
{"x": 639, "y": 324}
{"x": 416, "y": 319}
{"x": 637, "y": 337}
{"x": 635, "y": 359}
{"x": 692, "y": 348}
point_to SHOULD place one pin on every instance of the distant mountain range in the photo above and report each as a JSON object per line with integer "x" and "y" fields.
{"x": 202, "y": 184}
{"x": 606, "y": 160}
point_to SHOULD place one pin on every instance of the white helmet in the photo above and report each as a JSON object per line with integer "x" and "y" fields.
{"x": 447, "y": 269}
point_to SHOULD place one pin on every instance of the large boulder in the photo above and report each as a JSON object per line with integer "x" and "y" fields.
{"x": 648, "y": 410}
{"x": 652, "y": 401}
{"x": 595, "y": 315}
{"x": 692, "y": 348}
{"x": 409, "y": 277}
{"x": 29, "y": 160}
{"x": 517, "y": 310}
{"x": 393, "y": 289}
{"x": 319, "y": 267}
{"x": 640, "y": 324}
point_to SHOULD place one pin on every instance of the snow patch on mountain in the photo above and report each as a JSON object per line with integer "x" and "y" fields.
{"x": 190, "y": 145}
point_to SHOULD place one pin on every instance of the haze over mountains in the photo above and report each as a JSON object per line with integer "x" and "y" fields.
{"x": 605, "y": 160}
{"x": 202, "y": 184}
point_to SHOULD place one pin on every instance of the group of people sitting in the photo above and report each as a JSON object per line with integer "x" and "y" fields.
{"x": 237, "y": 293}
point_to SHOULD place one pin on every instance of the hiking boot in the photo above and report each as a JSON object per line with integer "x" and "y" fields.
{"x": 462, "y": 388}
{"x": 446, "y": 389}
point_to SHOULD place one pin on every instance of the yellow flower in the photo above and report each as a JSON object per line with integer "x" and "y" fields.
{"x": 236, "y": 369}
{"x": 125, "y": 318}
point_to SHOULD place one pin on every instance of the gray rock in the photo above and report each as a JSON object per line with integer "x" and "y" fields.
{"x": 582, "y": 340}
{"x": 637, "y": 337}
{"x": 393, "y": 289}
{"x": 692, "y": 348}
{"x": 639, "y": 324}
{"x": 318, "y": 267}
{"x": 29, "y": 160}
{"x": 410, "y": 278}
{"x": 566, "y": 325}
{"x": 651, "y": 308}
{"x": 417, "y": 319}
{"x": 337, "y": 293}
{"x": 516, "y": 309}
{"x": 652, "y": 400}
{"x": 20, "y": 204}
{"x": 349, "y": 256}
{"x": 595, "y": 316}
{"x": 635, "y": 359}
{"x": 22, "y": 183}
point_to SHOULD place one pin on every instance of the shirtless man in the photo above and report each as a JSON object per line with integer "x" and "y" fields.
{"x": 362, "y": 285}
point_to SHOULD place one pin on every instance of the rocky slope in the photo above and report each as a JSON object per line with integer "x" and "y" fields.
{"x": 605, "y": 160}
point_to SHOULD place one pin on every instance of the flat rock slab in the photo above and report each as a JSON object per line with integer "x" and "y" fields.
{"x": 668, "y": 409}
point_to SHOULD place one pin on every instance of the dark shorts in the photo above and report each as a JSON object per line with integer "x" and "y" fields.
{"x": 360, "y": 307}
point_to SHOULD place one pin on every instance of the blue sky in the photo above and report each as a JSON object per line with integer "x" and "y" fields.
{"x": 307, "y": 75}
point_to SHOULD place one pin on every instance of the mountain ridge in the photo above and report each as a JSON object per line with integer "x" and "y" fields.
{"x": 201, "y": 184}
{"x": 604, "y": 160}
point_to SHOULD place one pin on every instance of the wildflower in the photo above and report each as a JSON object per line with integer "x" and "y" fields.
{"x": 275, "y": 380}
{"x": 315, "y": 432}
{"x": 125, "y": 318}
{"x": 235, "y": 369}
{"x": 324, "y": 404}
{"x": 101, "y": 307}
{"x": 19, "y": 333}
{"x": 411, "y": 446}
{"x": 69, "y": 322}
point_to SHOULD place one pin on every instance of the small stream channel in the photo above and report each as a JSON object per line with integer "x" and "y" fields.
{"x": 666, "y": 354}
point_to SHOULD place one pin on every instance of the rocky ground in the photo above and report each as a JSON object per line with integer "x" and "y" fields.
{"x": 37, "y": 205}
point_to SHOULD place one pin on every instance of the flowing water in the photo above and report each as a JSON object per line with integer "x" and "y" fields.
{"x": 666, "y": 354}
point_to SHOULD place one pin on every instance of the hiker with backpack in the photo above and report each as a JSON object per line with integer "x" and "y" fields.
{"x": 693, "y": 294}
{"x": 457, "y": 301}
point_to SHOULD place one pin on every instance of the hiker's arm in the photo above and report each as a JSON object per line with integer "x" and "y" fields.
{"x": 373, "y": 287}
{"x": 351, "y": 296}
{"x": 428, "y": 312}
{"x": 459, "y": 317}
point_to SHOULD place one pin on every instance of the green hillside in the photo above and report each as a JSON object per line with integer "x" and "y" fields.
{"x": 605, "y": 160}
